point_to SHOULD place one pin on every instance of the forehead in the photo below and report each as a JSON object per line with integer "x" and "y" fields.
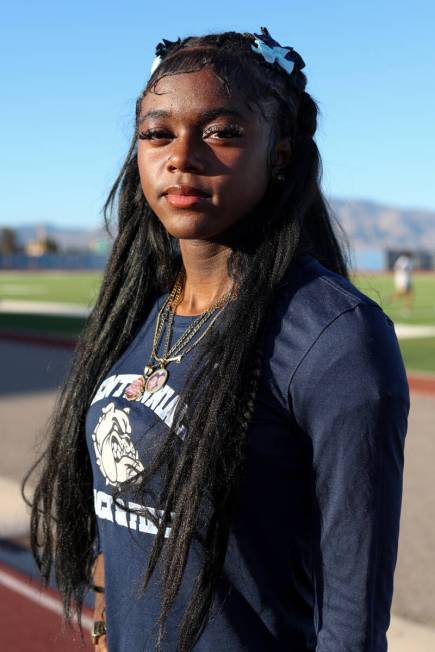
{"x": 187, "y": 94}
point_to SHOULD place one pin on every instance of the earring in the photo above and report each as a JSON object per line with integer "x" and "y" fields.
{"x": 280, "y": 178}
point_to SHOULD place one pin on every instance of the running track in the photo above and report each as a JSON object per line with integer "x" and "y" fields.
{"x": 30, "y": 616}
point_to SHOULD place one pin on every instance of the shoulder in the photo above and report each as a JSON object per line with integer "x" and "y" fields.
{"x": 311, "y": 298}
{"x": 324, "y": 293}
{"x": 319, "y": 320}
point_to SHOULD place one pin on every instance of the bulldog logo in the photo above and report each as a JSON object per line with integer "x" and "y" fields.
{"x": 116, "y": 456}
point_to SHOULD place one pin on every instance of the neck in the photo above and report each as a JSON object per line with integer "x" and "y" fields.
{"x": 207, "y": 278}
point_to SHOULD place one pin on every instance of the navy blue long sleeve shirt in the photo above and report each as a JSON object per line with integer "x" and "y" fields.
{"x": 313, "y": 546}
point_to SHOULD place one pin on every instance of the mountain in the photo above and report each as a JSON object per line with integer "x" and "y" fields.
{"x": 376, "y": 226}
{"x": 369, "y": 225}
{"x": 66, "y": 237}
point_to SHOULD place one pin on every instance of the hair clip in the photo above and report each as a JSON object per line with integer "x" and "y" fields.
{"x": 264, "y": 44}
{"x": 273, "y": 52}
{"x": 162, "y": 48}
{"x": 156, "y": 63}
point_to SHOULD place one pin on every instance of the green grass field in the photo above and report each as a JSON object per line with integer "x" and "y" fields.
{"x": 60, "y": 287}
{"x": 418, "y": 353}
{"x": 82, "y": 288}
{"x": 380, "y": 288}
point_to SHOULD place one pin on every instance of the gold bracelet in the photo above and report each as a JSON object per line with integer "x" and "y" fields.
{"x": 98, "y": 629}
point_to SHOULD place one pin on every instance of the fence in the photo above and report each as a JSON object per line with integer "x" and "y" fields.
{"x": 80, "y": 260}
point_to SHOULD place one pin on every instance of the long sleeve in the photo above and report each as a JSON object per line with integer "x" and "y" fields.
{"x": 350, "y": 395}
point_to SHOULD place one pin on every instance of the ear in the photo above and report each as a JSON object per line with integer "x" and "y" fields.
{"x": 283, "y": 152}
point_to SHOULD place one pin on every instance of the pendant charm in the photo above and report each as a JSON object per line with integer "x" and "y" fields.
{"x": 135, "y": 390}
{"x": 148, "y": 370}
{"x": 156, "y": 380}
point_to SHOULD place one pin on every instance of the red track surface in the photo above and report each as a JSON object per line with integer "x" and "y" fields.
{"x": 422, "y": 384}
{"x": 40, "y": 339}
{"x": 29, "y": 626}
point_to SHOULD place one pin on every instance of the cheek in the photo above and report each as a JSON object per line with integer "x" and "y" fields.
{"x": 149, "y": 176}
{"x": 145, "y": 173}
{"x": 248, "y": 181}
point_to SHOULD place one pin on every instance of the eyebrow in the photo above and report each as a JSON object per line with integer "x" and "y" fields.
{"x": 204, "y": 116}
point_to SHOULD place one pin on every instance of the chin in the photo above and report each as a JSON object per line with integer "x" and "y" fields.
{"x": 192, "y": 226}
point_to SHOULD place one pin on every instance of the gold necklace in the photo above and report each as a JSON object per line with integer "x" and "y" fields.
{"x": 155, "y": 374}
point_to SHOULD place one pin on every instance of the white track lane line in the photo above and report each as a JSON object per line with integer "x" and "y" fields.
{"x": 411, "y": 331}
{"x": 43, "y": 308}
{"x": 35, "y": 595}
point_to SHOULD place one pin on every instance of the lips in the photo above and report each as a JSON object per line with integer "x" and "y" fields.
{"x": 189, "y": 191}
{"x": 182, "y": 196}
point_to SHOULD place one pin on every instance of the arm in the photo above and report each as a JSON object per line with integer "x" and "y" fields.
{"x": 99, "y": 607}
{"x": 350, "y": 395}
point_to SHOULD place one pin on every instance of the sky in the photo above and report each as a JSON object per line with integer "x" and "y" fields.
{"x": 71, "y": 72}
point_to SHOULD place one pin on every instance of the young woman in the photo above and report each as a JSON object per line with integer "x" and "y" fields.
{"x": 226, "y": 457}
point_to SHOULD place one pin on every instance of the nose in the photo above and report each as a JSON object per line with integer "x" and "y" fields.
{"x": 185, "y": 154}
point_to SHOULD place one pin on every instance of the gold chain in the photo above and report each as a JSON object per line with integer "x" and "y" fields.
{"x": 170, "y": 305}
{"x": 154, "y": 377}
{"x": 173, "y": 300}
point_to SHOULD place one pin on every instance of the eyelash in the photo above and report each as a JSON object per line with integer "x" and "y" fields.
{"x": 232, "y": 130}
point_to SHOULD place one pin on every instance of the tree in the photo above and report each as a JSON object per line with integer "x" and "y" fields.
{"x": 51, "y": 246}
{"x": 8, "y": 241}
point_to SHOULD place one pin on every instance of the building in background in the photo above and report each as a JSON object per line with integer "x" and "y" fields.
{"x": 421, "y": 259}
{"x": 378, "y": 260}
{"x": 42, "y": 247}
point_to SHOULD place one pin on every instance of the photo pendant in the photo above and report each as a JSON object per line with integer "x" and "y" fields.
{"x": 135, "y": 390}
{"x": 156, "y": 380}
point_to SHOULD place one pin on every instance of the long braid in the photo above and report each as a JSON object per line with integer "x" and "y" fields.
{"x": 218, "y": 533}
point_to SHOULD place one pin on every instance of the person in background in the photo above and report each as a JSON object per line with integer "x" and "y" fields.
{"x": 403, "y": 285}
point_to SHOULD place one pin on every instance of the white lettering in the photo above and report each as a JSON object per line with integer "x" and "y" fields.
{"x": 120, "y": 514}
{"x": 169, "y": 411}
{"x": 162, "y": 403}
{"x": 136, "y": 519}
{"x": 103, "y": 505}
{"x": 160, "y": 408}
{"x": 153, "y": 400}
{"x": 105, "y": 389}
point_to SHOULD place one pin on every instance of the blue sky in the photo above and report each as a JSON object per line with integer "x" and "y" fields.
{"x": 71, "y": 72}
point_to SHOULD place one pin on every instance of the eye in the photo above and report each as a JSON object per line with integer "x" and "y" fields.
{"x": 154, "y": 134}
{"x": 116, "y": 427}
{"x": 225, "y": 132}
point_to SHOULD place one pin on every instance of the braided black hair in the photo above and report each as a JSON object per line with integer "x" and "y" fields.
{"x": 200, "y": 478}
